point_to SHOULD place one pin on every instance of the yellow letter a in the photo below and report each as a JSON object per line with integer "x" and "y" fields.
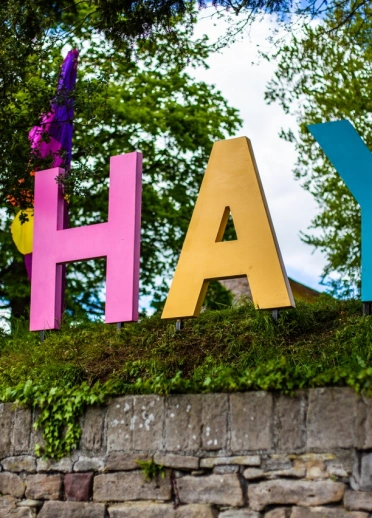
{"x": 231, "y": 183}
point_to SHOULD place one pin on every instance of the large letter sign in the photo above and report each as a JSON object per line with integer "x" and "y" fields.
{"x": 231, "y": 184}
{"x": 353, "y": 161}
{"x": 118, "y": 239}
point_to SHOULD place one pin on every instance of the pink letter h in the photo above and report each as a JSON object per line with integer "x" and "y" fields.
{"x": 118, "y": 240}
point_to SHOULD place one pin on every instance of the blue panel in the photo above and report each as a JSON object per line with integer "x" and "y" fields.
{"x": 353, "y": 161}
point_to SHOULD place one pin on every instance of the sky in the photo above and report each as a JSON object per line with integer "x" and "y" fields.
{"x": 241, "y": 77}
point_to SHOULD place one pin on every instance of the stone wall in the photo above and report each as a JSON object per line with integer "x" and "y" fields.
{"x": 244, "y": 455}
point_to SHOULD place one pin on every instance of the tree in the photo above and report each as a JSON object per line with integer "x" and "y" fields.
{"x": 143, "y": 100}
{"x": 320, "y": 78}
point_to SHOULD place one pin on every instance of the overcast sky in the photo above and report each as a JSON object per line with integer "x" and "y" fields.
{"x": 243, "y": 85}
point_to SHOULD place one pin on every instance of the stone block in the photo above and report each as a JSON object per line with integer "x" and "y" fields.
{"x": 298, "y": 470}
{"x": 183, "y": 418}
{"x": 297, "y": 492}
{"x": 142, "y": 510}
{"x": 72, "y": 510}
{"x": 119, "y": 461}
{"x": 123, "y": 486}
{"x": 64, "y": 465}
{"x": 43, "y": 487}
{"x": 251, "y": 421}
{"x": 21, "y": 429}
{"x": 119, "y": 424}
{"x": 331, "y": 418}
{"x": 214, "y": 419}
{"x": 243, "y": 460}
{"x": 20, "y": 463}
{"x": 213, "y": 489}
{"x": 20, "y": 512}
{"x": 155, "y": 510}
{"x": 9, "y": 509}
{"x": 358, "y": 500}
{"x": 253, "y": 473}
{"x": 195, "y": 511}
{"x": 325, "y": 512}
{"x": 92, "y": 432}
{"x": 78, "y": 486}
{"x": 5, "y": 427}
{"x": 148, "y": 422}
{"x": 278, "y": 513}
{"x": 223, "y": 470}
{"x": 239, "y": 513}
{"x": 11, "y": 484}
{"x": 89, "y": 464}
{"x": 30, "y": 503}
{"x": 289, "y": 422}
{"x": 135, "y": 423}
{"x": 361, "y": 477}
{"x": 170, "y": 460}
{"x": 36, "y": 435}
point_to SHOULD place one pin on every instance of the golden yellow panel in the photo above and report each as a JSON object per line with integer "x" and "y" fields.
{"x": 231, "y": 183}
{"x": 23, "y": 233}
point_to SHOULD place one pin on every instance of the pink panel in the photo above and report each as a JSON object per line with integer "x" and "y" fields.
{"x": 118, "y": 240}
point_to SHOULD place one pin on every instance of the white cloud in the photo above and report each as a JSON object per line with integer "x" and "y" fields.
{"x": 243, "y": 85}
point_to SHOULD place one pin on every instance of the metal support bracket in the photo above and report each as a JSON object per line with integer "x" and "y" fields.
{"x": 180, "y": 324}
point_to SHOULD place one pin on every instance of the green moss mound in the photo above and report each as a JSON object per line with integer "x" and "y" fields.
{"x": 237, "y": 349}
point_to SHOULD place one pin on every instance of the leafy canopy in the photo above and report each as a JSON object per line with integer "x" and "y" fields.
{"x": 129, "y": 96}
{"x": 322, "y": 78}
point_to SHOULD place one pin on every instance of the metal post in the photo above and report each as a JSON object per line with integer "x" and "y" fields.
{"x": 42, "y": 336}
{"x": 275, "y": 315}
{"x": 180, "y": 324}
{"x": 119, "y": 326}
{"x": 367, "y": 308}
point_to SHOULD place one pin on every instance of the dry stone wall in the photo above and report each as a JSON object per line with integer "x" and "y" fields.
{"x": 244, "y": 455}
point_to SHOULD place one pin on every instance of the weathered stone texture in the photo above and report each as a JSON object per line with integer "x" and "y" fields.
{"x": 21, "y": 430}
{"x": 278, "y": 513}
{"x": 18, "y": 512}
{"x": 251, "y": 421}
{"x": 5, "y": 427}
{"x": 324, "y": 512}
{"x": 358, "y": 500}
{"x": 298, "y": 492}
{"x": 11, "y": 484}
{"x": 153, "y": 510}
{"x": 183, "y": 418}
{"x": 239, "y": 513}
{"x": 135, "y": 423}
{"x": 214, "y": 419}
{"x": 243, "y": 460}
{"x": 119, "y": 424}
{"x": 195, "y": 511}
{"x": 331, "y": 418}
{"x": 119, "y": 461}
{"x": 147, "y": 423}
{"x": 289, "y": 422}
{"x": 214, "y": 489}
{"x": 141, "y": 510}
{"x": 170, "y": 460}
{"x": 361, "y": 478}
{"x": 89, "y": 464}
{"x": 8, "y": 509}
{"x": 78, "y": 486}
{"x": 92, "y": 433}
{"x": 43, "y": 487}
{"x": 124, "y": 486}
{"x": 20, "y": 463}
{"x": 72, "y": 510}
{"x": 64, "y": 465}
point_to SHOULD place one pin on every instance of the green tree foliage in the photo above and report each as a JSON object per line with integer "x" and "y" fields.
{"x": 322, "y": 78}
{"x": 129, "y": 96}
